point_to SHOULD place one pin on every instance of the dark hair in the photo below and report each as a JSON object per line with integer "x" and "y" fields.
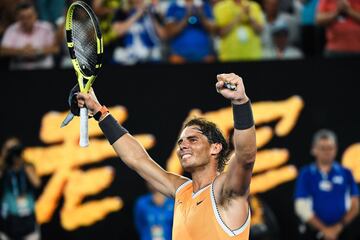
{"x": 324, "y": 134}
{"x": 23, "y": 6}
{"x": 214, "y": 135}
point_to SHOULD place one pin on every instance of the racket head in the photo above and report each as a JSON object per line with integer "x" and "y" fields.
{"x": 84, "y": 41}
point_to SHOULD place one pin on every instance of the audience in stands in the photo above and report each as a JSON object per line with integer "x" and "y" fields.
{"x": 240, "y": 24}
{"x": 28, "y": 42}
{"x": 182, "y": 31}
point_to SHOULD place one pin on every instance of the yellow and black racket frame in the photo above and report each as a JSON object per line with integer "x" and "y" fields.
{"x": 99, "y": 45}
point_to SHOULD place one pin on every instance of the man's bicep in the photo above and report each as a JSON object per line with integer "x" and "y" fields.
{"x": 301, "y": 186}
{"x": 238, "y": 177}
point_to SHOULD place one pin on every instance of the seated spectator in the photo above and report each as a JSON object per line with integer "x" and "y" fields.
{"x": 189, "y": 25}
{"x": 29, "y": 42}
{"x": 142, "y": 33}
{"x": 341, "y": 19}
{"x": 274, "y": 16}
{"x": 240, "y": 24}
{"x": 280, "y": 47}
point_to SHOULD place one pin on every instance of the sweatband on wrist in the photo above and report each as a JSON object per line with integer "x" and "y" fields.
{"x": 243, "y": 117}
{"x": 112, "y": 129}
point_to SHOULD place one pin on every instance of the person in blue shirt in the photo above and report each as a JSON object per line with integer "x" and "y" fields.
{"x": 326, "y": 195}
{"x": 189, "y": 25}
{"x": 153, "y": 214}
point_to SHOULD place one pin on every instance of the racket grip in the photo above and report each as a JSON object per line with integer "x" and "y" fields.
{"x": 84, "y": 134}
{"x": 230, "y": 86}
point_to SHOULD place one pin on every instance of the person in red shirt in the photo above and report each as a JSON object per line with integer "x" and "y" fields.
{"x": 341, "y": 18}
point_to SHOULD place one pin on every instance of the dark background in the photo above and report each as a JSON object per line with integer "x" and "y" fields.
{"x": 158, "y": 99}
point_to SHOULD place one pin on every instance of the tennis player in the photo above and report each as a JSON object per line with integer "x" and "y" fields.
{"x": 213, "y": 204}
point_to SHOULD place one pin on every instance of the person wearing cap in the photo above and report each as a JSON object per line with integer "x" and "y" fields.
{"x": 281, "y": 48}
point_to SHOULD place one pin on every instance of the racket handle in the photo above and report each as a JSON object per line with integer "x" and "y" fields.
{"x": 84, "y": 134}
{"x": 230, "y": 86}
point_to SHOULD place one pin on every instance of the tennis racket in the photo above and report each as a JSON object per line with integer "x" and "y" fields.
{"x": 85, "y": 44}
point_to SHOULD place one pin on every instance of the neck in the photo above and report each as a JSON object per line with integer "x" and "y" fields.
{"x": 324, "y": 167}
{"x": 202, "y": 178}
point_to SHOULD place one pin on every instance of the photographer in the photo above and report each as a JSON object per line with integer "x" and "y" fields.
{"x": 18, "y": 182}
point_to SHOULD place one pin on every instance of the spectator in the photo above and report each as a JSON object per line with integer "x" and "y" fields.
{"x": 274, "y": 16}
{"x": 29, "y": 42}
{"x": 240, "y": 25}
{"x": 154, "y": 216}
{"x": 281, "y": 48}
{"x": 341, "y": 19}
{"x": 189, "y": 24}
{"x": 18, "y": 182}
{"x": 326, "y": 195}
{"x": 142, "y": 33}
{"x": 312, "y": 35}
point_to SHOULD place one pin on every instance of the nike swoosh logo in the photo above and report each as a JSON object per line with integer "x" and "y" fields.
{"x": 198, "y": 203}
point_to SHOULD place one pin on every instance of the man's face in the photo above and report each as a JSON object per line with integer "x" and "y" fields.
{"x": 27, "y": 18}
{"x": 325, "y": 150}
{"x": 194, "y": 149}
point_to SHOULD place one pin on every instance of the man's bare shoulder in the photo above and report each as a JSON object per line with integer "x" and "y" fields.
{"x": 177, "y": 182}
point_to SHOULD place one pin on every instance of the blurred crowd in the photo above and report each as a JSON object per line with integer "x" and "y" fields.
{"x": 180, "y": 31}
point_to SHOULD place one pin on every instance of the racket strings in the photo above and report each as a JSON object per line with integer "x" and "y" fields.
{"x": 85, "y": 43}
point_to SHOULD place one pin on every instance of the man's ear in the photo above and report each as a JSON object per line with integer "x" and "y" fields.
{"x": 215, "y": 148}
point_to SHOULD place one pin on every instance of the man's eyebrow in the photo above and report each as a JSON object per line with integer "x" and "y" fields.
{"x": 188, "y": 137}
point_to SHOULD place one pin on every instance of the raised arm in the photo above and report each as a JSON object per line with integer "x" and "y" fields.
{"x": 236, "y": 181}
{"x": 130, "y": 150}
